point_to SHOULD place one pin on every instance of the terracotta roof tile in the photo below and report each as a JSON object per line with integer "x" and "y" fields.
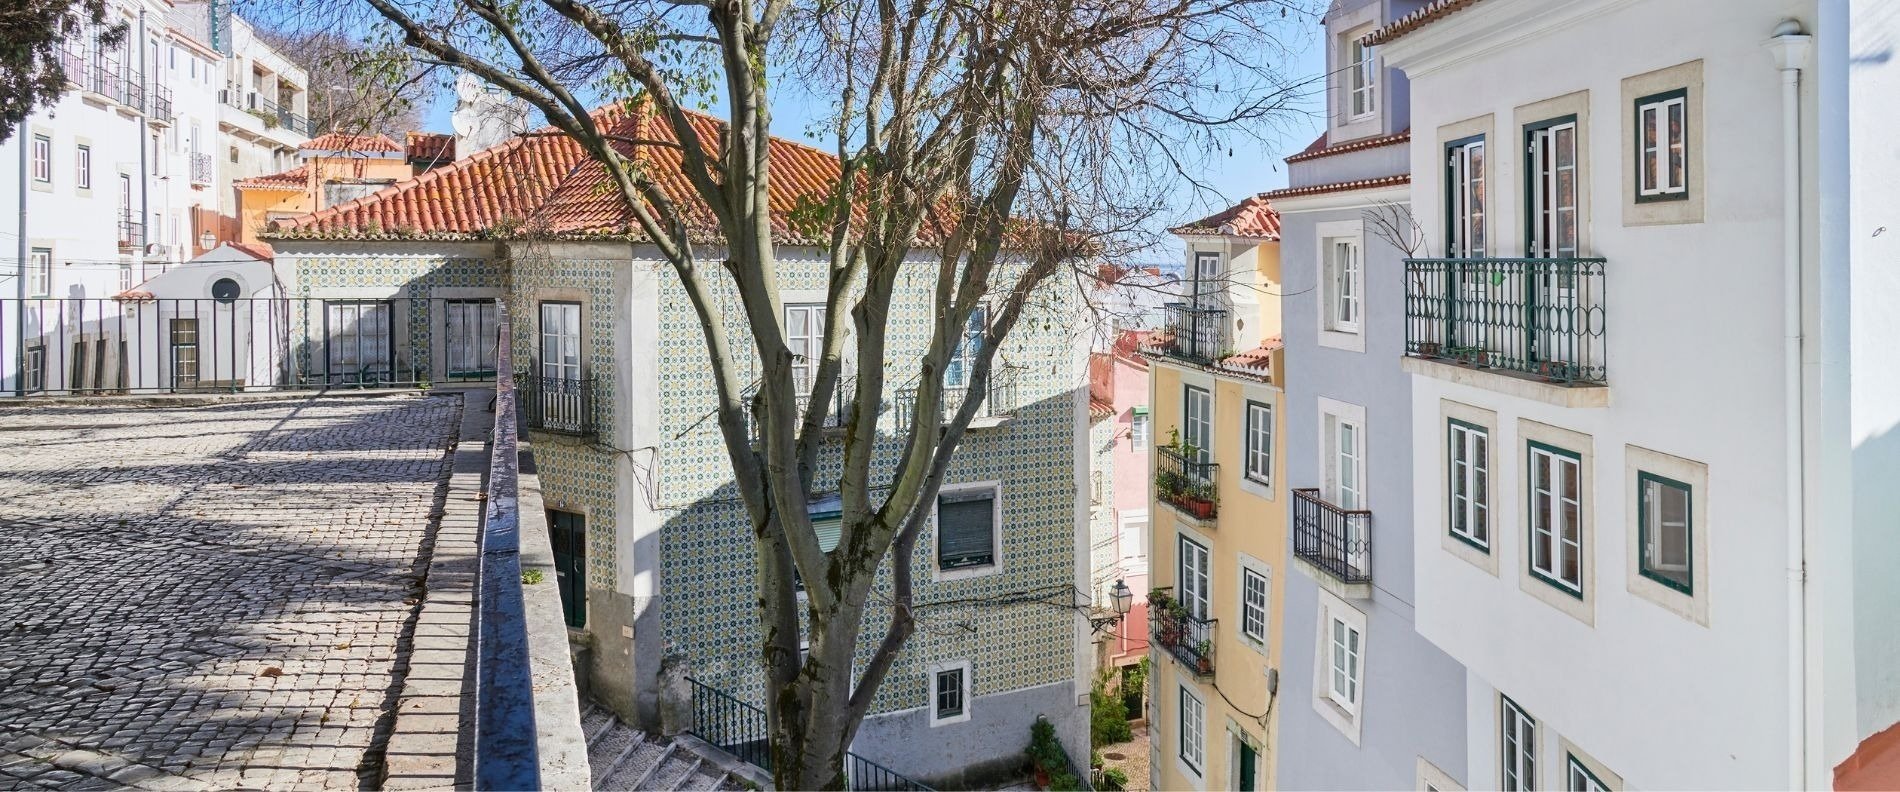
{"x": 1345, "y": 186}
{"x": 1318, "y": 150}
{"x": 1427, "y": 14}
{"x": 545, "y": 183}
{"x": 1258, "y": 360}
{"x": 293, "y": 179}
{"x": 337, "y": 141}
{"x": 1254, "y": 218}
{"x": 1100, "y": 409}
{"x": 429, "y": 148}
{"x": 256, "y": 250}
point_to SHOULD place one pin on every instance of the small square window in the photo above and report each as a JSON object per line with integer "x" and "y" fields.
{"x": 967, "y": 527}
{"x": 949, "y": 693}
{"x": 1666, "y": 532}
{"x": 1662, "y": 146}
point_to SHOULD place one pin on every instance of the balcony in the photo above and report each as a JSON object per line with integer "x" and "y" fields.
{"x": 200, "y": 169}
{"x": 131, "y": 235}
{"x": 1195, "y": 332}
{"x": 161, "y": 111}
{"x": 291, "y": 121}
{"x": 833, "y": 418}
{"x": 557, "y": 405}
{"x": 1180, "y": 633}
{"x": 997, "y": 408}
{"x": 1539, "y": 321}
{"x": 1334, "y": 542}
{"x": 1185, "y": 482}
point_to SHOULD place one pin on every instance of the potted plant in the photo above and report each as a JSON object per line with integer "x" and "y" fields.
{"x": 1203, "y": 656}
{"x": 1428, "y": 349}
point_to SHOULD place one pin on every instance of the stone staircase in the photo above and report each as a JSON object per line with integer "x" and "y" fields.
{"x": 625, "y": 758}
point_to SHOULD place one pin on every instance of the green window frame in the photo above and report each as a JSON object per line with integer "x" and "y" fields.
{"x": 1578, "y": 778}
{"x": 1558, "y": 494}
{"x": 1517, "y": 749}
{"x": 1542, "y": 175}
{"x": 1661, "y": 101}
{"x": 1465, "y": 209}
{"x": 1682, "y": 579}
{"x": 1468, "y": 492}
{"x": 1194, "y": 751}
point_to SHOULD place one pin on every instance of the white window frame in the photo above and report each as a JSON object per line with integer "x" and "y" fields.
{"x": 1550, "y": 569}
{"x": 1579, "y": 778}
{"x": 561, "y": 335}
{"x": 82, "y": 165}
{"x": 1140, "y": 432}
{"x": 1197, "y": 425}
{"x": 125, "y": 276}
{"x": 1256, "y": 613}
{"x": 1544, "y": 205}
{"x": 1194, "y": 576}
{"x": 42, "y": 158}
{"x": 1470, "y": 201}
{"x": 1517, "y": 747}
{"x": 1330, "y": 236}
{"x": 1134, "y": 524}
{"x": 1469, "y": 476}
{"x": 1362, "y": 84}
{"x": 1343, "y": 714}
{"x": 1345, "y": 662}
{"x": 995, "y": 489}
{"x": 1343, "y": 450}
{"x": 812, "y": 341}
{"x": 39, "y": 272}
{"x": 962, "y": 667}
{"x": 1258, "y": 425}
{"x": 1655, "y": 114}
{"x": 969, "y": 346}
{"x": 1192, "y": 748}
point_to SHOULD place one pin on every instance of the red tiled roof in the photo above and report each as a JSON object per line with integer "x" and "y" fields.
{"x": 1128, "y": 347}
{"x": 1318, "y": 144}
{"x": 1099, "y": 408}
{"x": 256, "y": 250}
{"x": 1253, "y": 218}
{"x": 1318, "y": 149}
{"x": 337, "y": 141}
{"x": 293, "y": 179}
{"x": 1345, "y": 186}
{"x": 431, "y": 148}
{"x": 543, "y": 181}
{"x": 135, "y": 295}
{"x": 1431, "y": 12}
{"x": 1258, "y": 360}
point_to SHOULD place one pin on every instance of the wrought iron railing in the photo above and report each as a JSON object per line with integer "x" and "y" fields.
{"x": 136, "y": 344}
{"x": 161, "y": 110}
{"x": 1192, "y": 331}
{"x": 131, "y": 234}
{"x": 507, "y": 754}
{"x": 1538, "y": 317}
{"x": 200, "y": 168}
{"x": 292, "y": 121}
{"x": 1189, "y": 638}
{"x": 833, "y": 418}
{"x": 556, "y": 404}
{"x": 1001, "y": 400}
{"x": 1336, "y": 540}
{"x": 742, "y": 730}
{"x": 1187, "y": 482}
{"x": 73, "y": 64}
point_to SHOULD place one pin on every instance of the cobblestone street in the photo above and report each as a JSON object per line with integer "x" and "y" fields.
{"x": 211, "y": 596}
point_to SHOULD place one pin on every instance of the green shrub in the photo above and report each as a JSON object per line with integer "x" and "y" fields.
{"x": 1114, "y": 778}
{"x": 1108, "y": 716}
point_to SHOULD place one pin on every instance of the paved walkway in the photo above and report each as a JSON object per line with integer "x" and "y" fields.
{"x": 212, "y": 597}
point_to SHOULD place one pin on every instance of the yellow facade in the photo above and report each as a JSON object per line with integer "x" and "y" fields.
{"x": 1248, "y": 533}
{"x": 261, "y": 201}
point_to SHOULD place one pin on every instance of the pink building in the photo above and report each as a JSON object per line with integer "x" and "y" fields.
{"x": 1118, "y": 391}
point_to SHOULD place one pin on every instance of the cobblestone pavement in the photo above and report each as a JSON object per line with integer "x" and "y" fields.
{"x": 215, "y": 596}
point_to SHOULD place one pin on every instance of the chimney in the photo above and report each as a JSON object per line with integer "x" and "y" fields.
{"x": 484, "y": 116}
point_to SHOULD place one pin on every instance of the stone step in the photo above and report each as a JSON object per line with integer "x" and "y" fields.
{"x": 596, "y": 721}
{"x": 631, "y": 772}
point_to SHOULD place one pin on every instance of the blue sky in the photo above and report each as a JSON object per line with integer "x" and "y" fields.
{"x": 1252, "y": 165}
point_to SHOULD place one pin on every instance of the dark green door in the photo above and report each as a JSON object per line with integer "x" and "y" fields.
{"x": 568, "y": 533}
{"x": 1248, "y": 762}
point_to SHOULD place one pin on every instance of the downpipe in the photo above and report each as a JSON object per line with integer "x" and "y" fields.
{"x": 1790, "y": 47}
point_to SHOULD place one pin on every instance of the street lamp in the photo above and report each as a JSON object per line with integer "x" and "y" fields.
{"x": 1121, "y": 599}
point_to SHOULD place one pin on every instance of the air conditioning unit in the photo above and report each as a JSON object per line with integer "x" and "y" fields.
{"x": 158, "y": 250}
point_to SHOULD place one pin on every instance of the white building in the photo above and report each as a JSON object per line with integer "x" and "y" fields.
{"x": 1647, "y": 334}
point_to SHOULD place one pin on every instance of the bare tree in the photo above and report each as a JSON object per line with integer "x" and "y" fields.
{"x": 355, "y": 88}
{"x": 1007, "y": 141}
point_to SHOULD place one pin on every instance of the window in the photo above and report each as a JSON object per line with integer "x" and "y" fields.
{"x": 957, "y": 373}
{"x": 1579, "y": 777}
{"x": 805, "y": 337}
{"x": 1207, "y": 279}
{"x": 560, "y": 341}
{"x": 1140, "y": 430}
{"x": 949, "y": 693}
{"x": 34, "y": 372}
{"x": 1343, "y": 670}
{"x": 125, "y": 277}
{"x": 827, "y": 524}
{"x": 967, "y": 527}
{"x": 184, "y": 359}
{"x": 1662, "y": 146}
{"x": 472, "y": 335}
{"x": 1345, "y": 468}
{"x": 1254, "y": 590}
{"x": 1470, "y": 454}
{"x": 1362, "y": 73}
{"x": 1519, "y": 749}
{"x": 1663, "y": 523}
{"x": 40, "y": 273}
{"x": 359, "y": 342}
{"x": 1464, "y": 198}
{"x": 1193, "y": 580}
{"x": 82, "y": 166}
{"x": 1345, "y": 282}
{"x": 42, "y": 159}
{"x": 1556, "y": 519}
{"x": 1197, "y": 423}
{"x": 1551, "y": 205}
{"x": 1260, "y": 442}
{"x": 1193, "y": 739}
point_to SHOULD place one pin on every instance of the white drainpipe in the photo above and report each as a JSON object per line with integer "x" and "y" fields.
{"x": 1790, "y": 48}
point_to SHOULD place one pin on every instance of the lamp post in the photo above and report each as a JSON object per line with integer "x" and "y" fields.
{"x": 1121, "y": 599}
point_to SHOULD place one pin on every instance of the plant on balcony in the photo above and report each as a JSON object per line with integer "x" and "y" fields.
{"x": 1203, "y": 656}
{"x": 1191, "y": 494}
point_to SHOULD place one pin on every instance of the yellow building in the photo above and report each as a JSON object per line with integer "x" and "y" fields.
{"x": 1218, "y": 533}
{"x": 336, "y": 168}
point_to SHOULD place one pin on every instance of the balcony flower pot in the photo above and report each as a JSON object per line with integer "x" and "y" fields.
{"x": 1203, "y": 665}
{"x": 1428, "y": 349}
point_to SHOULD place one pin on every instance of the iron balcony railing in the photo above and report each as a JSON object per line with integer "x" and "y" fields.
{"x": 833, "y": 418}
{"x": 292, "y": 121}
{"x": 161, "y": 105}
{"x": 73, "y": 64}
{"x": 131, "y": 234}
{"x": 506, "y": 750}
{"x": 1000, "y": 402}
{"x": 1184, "y": 480}
{"x": 1192, "y": 331}
{"x": 1188, "y": 638}
{"x": 200, "y": 168}
{"x": 742, "y": 730}
{"x": 137, "y": 344}
{"x": 1336, "y": 540}
{"x": 1538, "y": 317}
{"x": 556, "y": 404}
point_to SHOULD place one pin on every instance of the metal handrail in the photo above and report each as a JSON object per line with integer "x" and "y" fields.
{"x": 1541, "y": 317}
{"x": 1193, "y": 331}
{"x": 1336, "y": 540}
{"x": 1001, "y": 402}
{"x": 1189, "y": 639}
{"x": 743, "y": 730}
{"x": 507, "y": 756}
{"x": 556, "y": 404}
{"x": 1187, "y": 483}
